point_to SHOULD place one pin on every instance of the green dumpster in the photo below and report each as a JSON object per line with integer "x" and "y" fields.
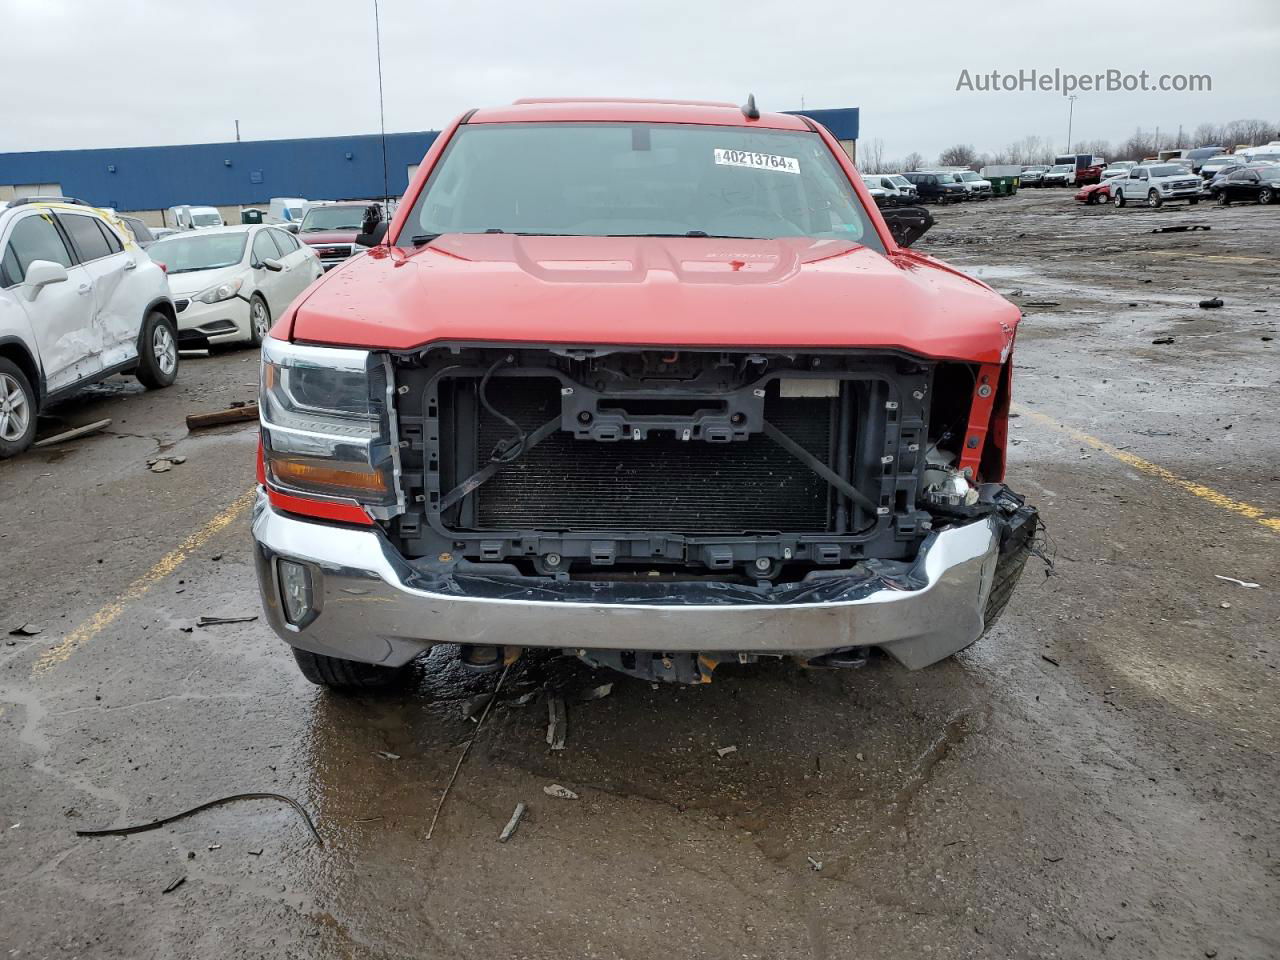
{"x": 1003, "y": 177}
{"x": 251, "y": 215}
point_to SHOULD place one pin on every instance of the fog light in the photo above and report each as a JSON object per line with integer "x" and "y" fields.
{"x": 295, "y": 591}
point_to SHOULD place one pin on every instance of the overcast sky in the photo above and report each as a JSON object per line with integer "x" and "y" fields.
{"x": 143, "y": 72}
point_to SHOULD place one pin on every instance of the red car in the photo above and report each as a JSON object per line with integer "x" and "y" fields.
{"x": 654, "y": 384}
{"x": 1094, "y": 193}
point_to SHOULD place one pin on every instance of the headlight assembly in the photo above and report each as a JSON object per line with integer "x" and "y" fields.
{"x": 222, "y": 291}
{"x": 327, "y": 425}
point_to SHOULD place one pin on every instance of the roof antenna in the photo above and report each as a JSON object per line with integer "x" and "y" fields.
{"x": 749, "y": 108}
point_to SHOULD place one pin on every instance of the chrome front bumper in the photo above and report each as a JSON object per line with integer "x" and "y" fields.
{"x": 373, "y": 606}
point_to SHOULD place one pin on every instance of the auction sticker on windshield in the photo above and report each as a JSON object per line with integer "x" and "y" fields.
{"x": 757, "y": 161}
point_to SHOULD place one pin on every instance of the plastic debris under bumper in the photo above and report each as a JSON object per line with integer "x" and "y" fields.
{"x": 371, "y": 605}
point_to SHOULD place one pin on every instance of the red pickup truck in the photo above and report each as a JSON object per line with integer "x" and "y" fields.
{"x": 651, "y": 383}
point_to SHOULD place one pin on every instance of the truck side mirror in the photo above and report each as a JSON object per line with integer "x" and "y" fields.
{"x": 372, "y": 234}
{"x": 908, "y": 224}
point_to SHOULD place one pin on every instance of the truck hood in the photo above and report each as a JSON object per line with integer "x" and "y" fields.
{"x": 321, "y": 237}
{"x": 642, "y": 291}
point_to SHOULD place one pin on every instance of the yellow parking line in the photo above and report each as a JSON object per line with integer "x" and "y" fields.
{"x": 1208, "y": 494}
{"x": 163, "y": 567}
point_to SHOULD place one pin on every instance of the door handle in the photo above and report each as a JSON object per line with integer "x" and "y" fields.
{"x": 84, "y": 289}
{"x": 131, "y": 265}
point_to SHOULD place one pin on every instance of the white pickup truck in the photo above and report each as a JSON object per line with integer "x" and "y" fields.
{"x": 1156, "y": 183}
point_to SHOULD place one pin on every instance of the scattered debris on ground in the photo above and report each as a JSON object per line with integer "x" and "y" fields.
{"x": 1182, "y": 228}
{"x": 1162, "y": 340}
{"x": 1048, "y": 659}
{"x": 725, "y": 751}
{"x": 555, "y": 790}
{"x": 215, "y": 621}
{"x": 27, "y": 630}
{"x": 233, "y": 414}
{"x": 1211, "y": 304}
{"x": 444, "y": 794}
{"x": 557, "y": 722}
{"x": 207, "y": 805}
{"x": 165, "y": 464}
{"x": 74, "y": 433}
{"x": 1242, "y": 583}
{"x": 388, "y": 755}
{"x": 514, "y": 822}
{"x": 816, "y": 864}
{"x": 175, "y": 883}
{"x": 595, "y": 693}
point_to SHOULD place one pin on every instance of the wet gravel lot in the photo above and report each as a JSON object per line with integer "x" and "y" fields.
{"x": 1097, "y": 777}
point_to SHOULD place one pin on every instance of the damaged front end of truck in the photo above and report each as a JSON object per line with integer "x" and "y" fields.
{"x": 655, "y": 511}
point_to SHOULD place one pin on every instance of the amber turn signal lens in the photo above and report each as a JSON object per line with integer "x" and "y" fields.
{"x": 323, "y": 477}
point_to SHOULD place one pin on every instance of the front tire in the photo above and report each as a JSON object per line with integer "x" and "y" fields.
{"x": 1265, "y": 196}
{"x": 17, "y": 410}
{"x": 158, "y": 353}
{"x": 1223, "y": 201}
{"x": 259, "y": 320}
{"x": 1153, "y": 199}
{"x": 340, "y": 674}
{"x": 1119, "y": 198}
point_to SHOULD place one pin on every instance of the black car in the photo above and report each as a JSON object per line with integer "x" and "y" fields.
{"x": 1259, "y": 184}
{"x": 937, "y": 187}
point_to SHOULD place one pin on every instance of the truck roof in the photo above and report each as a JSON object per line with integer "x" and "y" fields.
{"x": 586, "y": 109}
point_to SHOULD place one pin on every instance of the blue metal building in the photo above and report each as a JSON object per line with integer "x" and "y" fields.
{"x": 252, "y": 171}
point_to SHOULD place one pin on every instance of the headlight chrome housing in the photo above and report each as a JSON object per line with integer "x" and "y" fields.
{"x": 328, "y": 425}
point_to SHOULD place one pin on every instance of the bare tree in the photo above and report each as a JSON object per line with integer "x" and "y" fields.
{"x": 912, "y": 161}
{"x": 961, "y": 155}
{"x": 873, "y": 157}
{"x": 1207, "y": 134}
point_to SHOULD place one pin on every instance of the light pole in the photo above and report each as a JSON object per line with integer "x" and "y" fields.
{"x": 1071, "y": 108}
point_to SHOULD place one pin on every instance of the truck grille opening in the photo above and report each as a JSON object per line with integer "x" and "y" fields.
{"x": 661, "y": 483}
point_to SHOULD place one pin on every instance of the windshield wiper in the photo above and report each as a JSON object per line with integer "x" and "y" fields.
{"x": 422, "y": 239}
{"x": 690, "y": 233}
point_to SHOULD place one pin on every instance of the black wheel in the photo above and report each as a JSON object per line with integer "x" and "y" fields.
{"x": 259, "y": 320}
{"x": 157, "y": 352}
{"x": 17, "y": 410}
{"x": 1119, "y": 198}
{"x": 1222, "y": 199}
{"x": 1153, "y": 198}
{"x": 1265, "y": 195}
{"x": 346, "y": 674}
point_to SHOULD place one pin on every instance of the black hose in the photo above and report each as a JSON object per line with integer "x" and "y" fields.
{"x": 156, "y": 824}
{"x": 503, "y": 452}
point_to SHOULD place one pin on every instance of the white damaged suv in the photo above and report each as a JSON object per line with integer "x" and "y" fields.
{"x": 1156, "y": 183}
{"x": 79, "y": 301}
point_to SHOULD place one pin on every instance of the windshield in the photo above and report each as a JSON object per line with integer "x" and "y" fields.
{"x": 206, "y": 219}
{"x": 333, "y": 218}
{"x": 970, "y": 175}
{"x": 1167, "y": 170}
{"x": 1038, "y": 168}
{"x": 900, "y": 181}
{"x": 638, "y": 179}
{"x": 1062, "y": 168}
{"x": 190, "y": 253}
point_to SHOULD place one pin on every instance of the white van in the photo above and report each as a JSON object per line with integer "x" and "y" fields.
{"x": 286, "y": 210}
{"x": 186, "y": 217}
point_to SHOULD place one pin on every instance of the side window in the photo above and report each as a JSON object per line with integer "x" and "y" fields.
{"x": 263, "y": 248}
{"x": 86, "y": 238}
{"x": 141, "y": 232}
{"x": 109, "y": 235}
{"x": 33, "y": 238}
{"x": 9, "y": 275}
{"x": 284, "y": 241}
